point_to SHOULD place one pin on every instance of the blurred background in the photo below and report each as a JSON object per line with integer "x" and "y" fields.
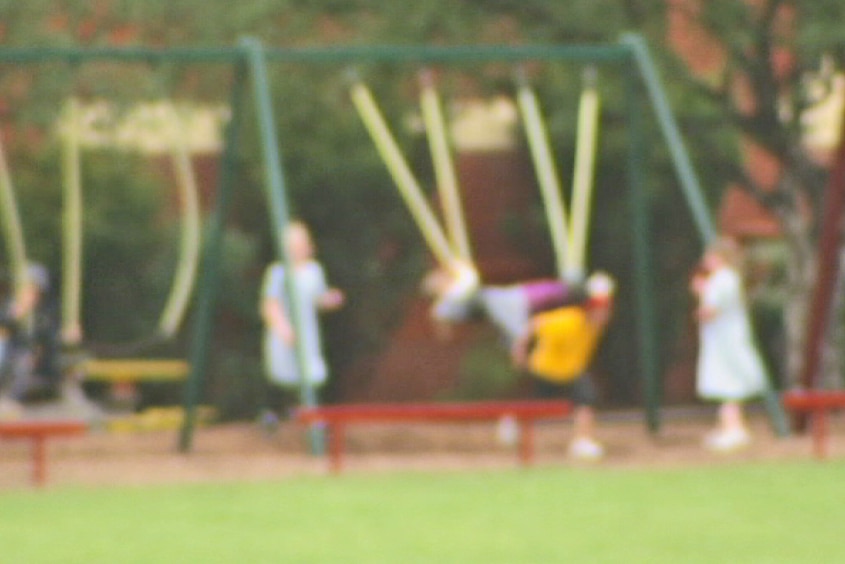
{"x": 755, "y": 85}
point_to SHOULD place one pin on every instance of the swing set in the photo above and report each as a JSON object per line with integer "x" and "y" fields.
{"x": 629, "y": 59}
{"x": 114, "y": 370}
{"x": 450, "y": 244}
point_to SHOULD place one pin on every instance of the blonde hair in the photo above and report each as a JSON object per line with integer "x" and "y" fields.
{"x": 298, "y": 230}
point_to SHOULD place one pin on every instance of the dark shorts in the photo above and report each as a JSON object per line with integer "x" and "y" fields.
{"x": 581, "y": 391}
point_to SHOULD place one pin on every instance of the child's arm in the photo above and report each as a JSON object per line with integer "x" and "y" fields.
{"x": 520, "y": 347}
{"x": 328, "y": 298}
{"x": 331, "y": 299}
{"x": 273, "y": 313}
{"x": 25, "y": 302}
{"x": 720, "y": 291}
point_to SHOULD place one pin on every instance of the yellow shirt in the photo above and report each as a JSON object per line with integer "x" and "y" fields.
{"x": 565, "y": 343}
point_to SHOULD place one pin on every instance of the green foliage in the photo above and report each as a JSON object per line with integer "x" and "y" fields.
{"x": 486, "y": 372}
{"x": 125, "y": 233}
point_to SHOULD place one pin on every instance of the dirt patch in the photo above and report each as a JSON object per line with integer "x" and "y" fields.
{"x": 242, "y": 452}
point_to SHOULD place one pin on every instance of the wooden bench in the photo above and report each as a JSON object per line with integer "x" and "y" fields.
{"x": 818, "y": 404}
{"x": 337, "y": 417}
{"x": 38, "y": 431}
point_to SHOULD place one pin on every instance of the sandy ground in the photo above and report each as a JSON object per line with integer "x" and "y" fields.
{"x": 242, "y": 452}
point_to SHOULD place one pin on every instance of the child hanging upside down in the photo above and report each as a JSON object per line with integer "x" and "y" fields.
{"x": 557, "y": 349}
{"x": 458, "y": 297}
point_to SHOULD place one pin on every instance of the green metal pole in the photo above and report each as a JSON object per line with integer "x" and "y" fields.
{"x": 672, "y": 135}
{"x": 280, "y": 215}
{"x": 689, "y": 182}
{"x": 209, "y": 281}
{"x": 336, "y": 54}
{"x": 646, "y": 323}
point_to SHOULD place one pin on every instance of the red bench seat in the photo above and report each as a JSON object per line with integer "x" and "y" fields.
{"x": 38, "y": 431}
{"x": 819, "y": 404}
{"x": 337, "y": 417}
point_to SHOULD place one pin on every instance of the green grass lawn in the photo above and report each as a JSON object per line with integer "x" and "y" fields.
{"x": 790, "y": 512}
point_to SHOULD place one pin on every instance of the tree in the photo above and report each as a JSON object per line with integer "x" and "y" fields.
{"x": 769, "y": 51}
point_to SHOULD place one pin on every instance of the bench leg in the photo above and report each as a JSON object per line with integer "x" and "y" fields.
{"x": 39, "y": 460}
{"x": 820, "y": 433}
{"x": 526, "y": 446}
{"x": 336, "y": 439}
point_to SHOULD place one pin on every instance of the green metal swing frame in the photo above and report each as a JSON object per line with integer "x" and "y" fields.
{"x": 250, "y": 61}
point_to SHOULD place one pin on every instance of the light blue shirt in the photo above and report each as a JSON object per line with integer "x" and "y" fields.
{"x": 280, "y": 358}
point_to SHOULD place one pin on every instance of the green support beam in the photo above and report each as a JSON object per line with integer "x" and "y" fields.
{"x": 419, "y": 54}
{"x": 690, "y": 185}
{"x": 276, "y": 191}
{"x": 641, "y": 256}
{"x": 210, "y": 270}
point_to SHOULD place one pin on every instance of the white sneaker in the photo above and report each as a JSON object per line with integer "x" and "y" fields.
{"x": 727, "y": 441}
{"x": 586, "y": 449}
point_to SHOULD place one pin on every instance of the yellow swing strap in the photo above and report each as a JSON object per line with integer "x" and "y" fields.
{"x": 444, "y": 168}
{"x": 12, "y": 229}
{"x": 71, "y": 223}
{"x": 401, "y": 173}
{"x": 583, "y": 175}
{"x": 189, "y": 247}
{"x": 547, "y": 176}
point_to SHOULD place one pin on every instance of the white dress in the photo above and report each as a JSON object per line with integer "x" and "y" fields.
{"x": 280, "y": 358}
{"x": 729, "y": 365}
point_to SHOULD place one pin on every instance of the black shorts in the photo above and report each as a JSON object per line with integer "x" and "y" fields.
{"x": 580, "y": 391}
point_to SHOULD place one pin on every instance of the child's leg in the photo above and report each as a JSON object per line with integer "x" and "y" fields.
{"x": 731, "y": 416}
{"x": 582, "y": 392}
{"x": 732, "y": 432}
{"x": 584, "y": 422}
{"x": 507, "y": 308}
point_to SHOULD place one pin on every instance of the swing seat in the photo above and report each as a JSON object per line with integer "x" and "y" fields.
{"x": 135, "y": 370}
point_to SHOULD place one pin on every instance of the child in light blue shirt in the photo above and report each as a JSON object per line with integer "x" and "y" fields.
{"x": 313, "y": 295}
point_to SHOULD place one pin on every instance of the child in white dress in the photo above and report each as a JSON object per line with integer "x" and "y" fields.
{"x": 729, "y": 369}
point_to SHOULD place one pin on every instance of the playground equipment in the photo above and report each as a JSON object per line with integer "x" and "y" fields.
{"x": 337, "y": 418}
{"x": 249, "y": 59}
{"x": 38, "y": 432}
{"x": 11, "y": 222}
{"x": 116, "y": 372}
{"x": 124, "y": 373}
{"x": 817, "y": 404}
{"x": 809, "y": 400}
{"x": 569, "y": 232}
{"x": 450, "y": 245}
{"x": 184, "y": 279}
